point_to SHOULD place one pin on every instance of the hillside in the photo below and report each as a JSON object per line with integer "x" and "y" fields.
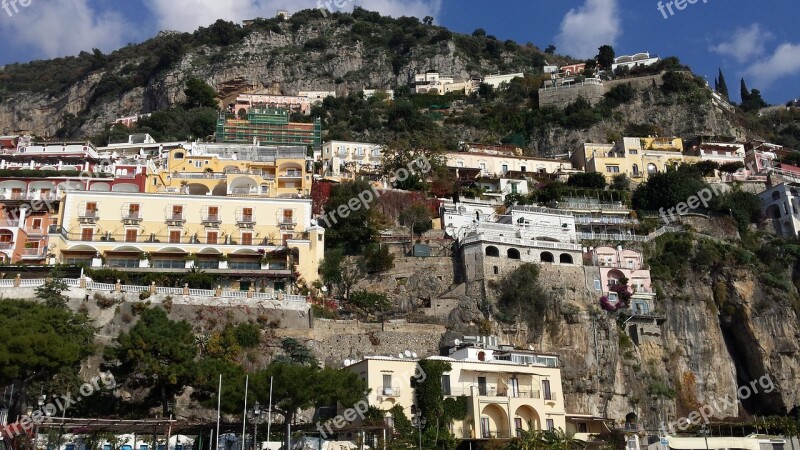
{"x": 78, "y": 96}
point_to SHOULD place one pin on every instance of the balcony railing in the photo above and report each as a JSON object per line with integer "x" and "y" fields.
{"x": 245, "y": 221}
{"x": 292, "y": 174}
{"x": 6, "y": 245}
{"x": 161, "y": 239}
{"x": 211, "y": 220}
{"x": 390, "y": 391}
{"x": 88, "y": 215}
{"x": 33, "y": 253}
{"x": 5, "y": 223}
{"x": 176, "y": 218}
{"x": 132, "y": 217}
{"x": 492, "y": 391}
{"x": 31, "y": 231}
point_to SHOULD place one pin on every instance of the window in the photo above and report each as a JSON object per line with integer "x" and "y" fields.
{"x": 523, "y": 169}
{"x": 483, "y": 167}
{"x": 244, "y": 265}
{"x": 635, "y": 169}
{"x": 582, "y": 428}
{"x": 446, "y": 385}
{"x": 131, "y": 235}
{"x": 651, "y": 168}
{"x": 87, "y": 234}
{"x": 247, "y": 238}
{"x": 126, "y": 263}
{"x": 247, "y": 214}
{"x": 178, "y": 155}
{"x": 481, "y": 383}
{"x": 169, "y": 264}
{"x": 505, "y": 168}
{"x": 213, "y": 213}
{"x": 211, "y": 237}
{"x": 633, "y": 152}
{"x": 387, "y": 384}
{"x": 550, "y": 424}
{"x": 175, "y": 237}
{"x": 133, "y": 211}
{"x": 36, "y": 224}
{"x": 288, "y": 216}
{"x": 612, "y": 169}
{"x": 597, "y": 285}
{"x": 518, "y": 426}
{"x": 198, "y": 164}
{"x": 546, "y": 389}
{"x": 177, "y": 212}
{"x": 91, "y": 209}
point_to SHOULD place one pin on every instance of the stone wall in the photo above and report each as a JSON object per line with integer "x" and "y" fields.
{"x": 593, "y": 93}
{"x": 413, "y": 281}
{"x": 333, "y": 341}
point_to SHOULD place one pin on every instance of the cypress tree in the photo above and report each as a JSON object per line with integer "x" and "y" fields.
{"x": 722, "y": 86}
{"x": 744, "y": 92}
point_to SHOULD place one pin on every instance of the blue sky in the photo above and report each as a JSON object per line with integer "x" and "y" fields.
{"x": 755, "y": 39}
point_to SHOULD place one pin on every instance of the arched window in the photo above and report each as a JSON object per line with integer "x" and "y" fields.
{"x": 565, "y": 258}
{"x": 496, "y": 270}
{"x": 513, "y": 253}
{"x": 651, "y": 168}
{"x": 547, "y": 257}
{"x": 492, "y": 251}
{"x": 178, "y": 155}
{"x": 635, "y": 169}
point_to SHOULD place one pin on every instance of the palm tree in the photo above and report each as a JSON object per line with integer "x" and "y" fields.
{"x": 561, "y": 440}
{"x": 528, "y": 440}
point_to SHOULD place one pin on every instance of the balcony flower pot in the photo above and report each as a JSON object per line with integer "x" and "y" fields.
{"x": 223, "y": 264}
{"x": 144, "y": 263}
{"x": 97, "y": 262}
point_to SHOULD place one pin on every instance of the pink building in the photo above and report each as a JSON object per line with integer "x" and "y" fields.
{"x": 616, "y": 264}
{"x": 295, "y": 104}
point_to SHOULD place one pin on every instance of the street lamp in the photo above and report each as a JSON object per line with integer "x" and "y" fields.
{"x": 256, "y": 414}
{"x": 419, "y": 422}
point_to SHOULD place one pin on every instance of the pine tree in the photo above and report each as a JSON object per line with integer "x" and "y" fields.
{"x": 716, "y": 85}
{"x": 722, "y": 86}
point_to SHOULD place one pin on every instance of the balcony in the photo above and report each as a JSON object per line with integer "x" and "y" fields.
{"x": 292, "y": 174}
{"x": 7, "y": 223}
{"x": 388, "y": 391}
{"x": 88, "y": 217}
{"x": 33, "y": 253}
{"x": 37, "y": 231}
{"x": 245, "y": 221}
{"x": 131, "y": 218}
{"x": 212, "y": 221}
{"x": 176, "y": 219}
{"x": 287, "y": 223}
{"x": 6, "y": 245}
{"x": 162, "y": 239}
{"x": 492, "y": 391}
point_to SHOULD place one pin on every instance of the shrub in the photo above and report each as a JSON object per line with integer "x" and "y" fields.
{"x": 144, "y": 295}
{"x": 247, "y": 335}
{"x": 104, "y": 301}
{"x": 139, "y": 307}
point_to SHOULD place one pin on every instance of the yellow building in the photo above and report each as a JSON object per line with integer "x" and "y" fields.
{"x": 506, "y": 390}
{"x": 635, "y": 157}
{"x": 233, "y": 170}
{"x": 259, "y": 242}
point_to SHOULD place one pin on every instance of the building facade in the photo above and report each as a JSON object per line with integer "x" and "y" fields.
{"x": 507, "y": 391}
{"x": 262, "y": 242}
{"x": 293, "y": 103}
{"x": 267, "y": 126}
{"x": 638, "y": 158}
{"x": 339, "y": 157}
{"x": 504, "y": 163}
{"x": 246, "y": 171}
{"x": 781, "y": 206}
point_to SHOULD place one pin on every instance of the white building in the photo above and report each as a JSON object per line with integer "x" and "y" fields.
{"x": 457, "y": 217}
{"x": 720, "y": 152}
{"x": 342, "y": 156}
{"x": 316, "y": 96}
{"x": 496, "y": 80}
{"x": 631, "y": 61}
{"x": 781, "y": 205}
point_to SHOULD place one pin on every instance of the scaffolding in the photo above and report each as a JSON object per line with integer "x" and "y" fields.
{"x": 267, "y": 127}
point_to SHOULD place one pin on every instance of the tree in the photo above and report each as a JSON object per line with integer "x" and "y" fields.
{"x": 36, "y": 343}
{"x": 378, "y": 258}
{"x": 561, "y": 440}
{"x": 744, "y": 92}
{"x": 722, "y": 86}
{"x": 199, "y": 94}
{"x": 707, "y": 168}
{"x": 521, "y": 298}
{"x": 331, "y": 266}
{"x": 731, "y": 167}
{"x": 297, "y": 387}
{"x": 52, "y": 290}
{"x": 667, "y": 189}
{"x": 605, "y": 57}
{"x": 370, "y": 301}
{"x": 589, "y": 180}
{"x": 157, "y": 353}
{"x": 550, "y": 50}
{"x": 354, "y": 230}
{"x": 428, "y": 20}
{"x": 296, "y": 353}
{"x": 479, "y": 33}
{"x": 620, "y": 182}
{"x": 417, "y": 218}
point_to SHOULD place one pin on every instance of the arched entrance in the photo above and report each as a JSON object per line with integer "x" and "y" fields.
{"x": 494, "y": 422}
{"x": 526, "y": 418}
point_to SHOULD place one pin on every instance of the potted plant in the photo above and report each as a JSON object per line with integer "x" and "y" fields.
{"x": 191, "y": 260}
{"x": 144, "y": 260}
{"x": 223, "y": 261}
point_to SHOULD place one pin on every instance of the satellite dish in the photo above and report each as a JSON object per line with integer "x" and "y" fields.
{"x": 413, "y": 354}
{"x": 400, "y": 355}
{"x": 347, "y": 362}
{"x": 408, "y": 353}
{"x": 457, "y": 342}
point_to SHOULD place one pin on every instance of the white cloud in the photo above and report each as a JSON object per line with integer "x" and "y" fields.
{"x": 63, "y": 27}
{"x": 785, "y": 61}
{"x": 745, "y": 44}
{"x": 585, "y": 29}
{"x": 188, "y": 15}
